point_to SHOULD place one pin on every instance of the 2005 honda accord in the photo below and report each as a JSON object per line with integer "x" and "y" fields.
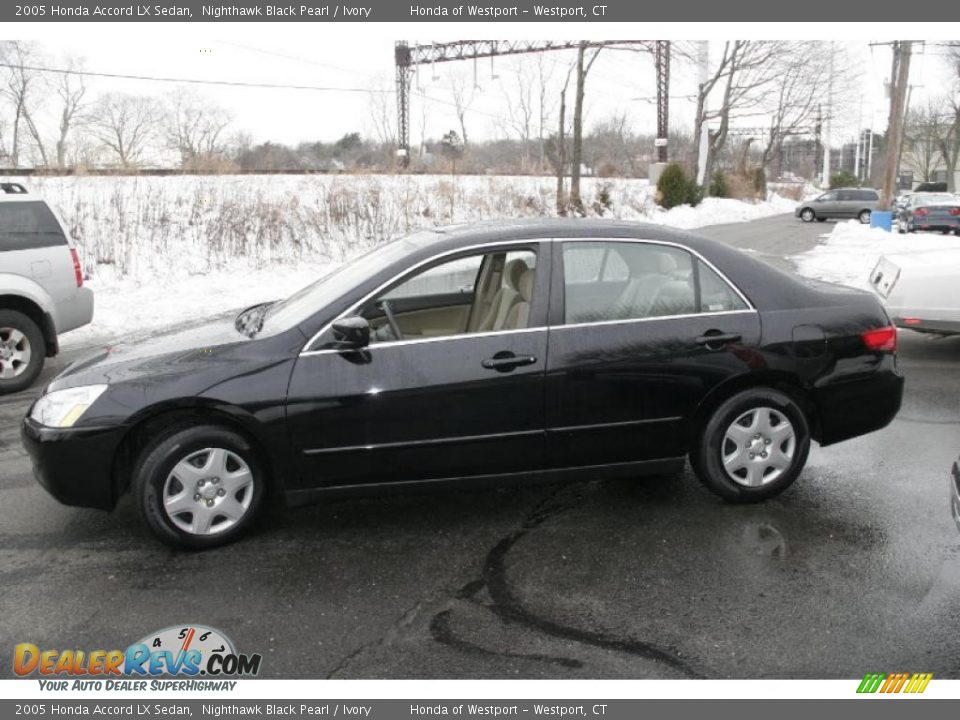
{"x": 500, "y": 352}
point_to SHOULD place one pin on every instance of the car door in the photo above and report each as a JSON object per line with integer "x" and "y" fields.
{"x": 828, "y": 204}
{"x": 456, "y": 405}
{"x": 847, "y": 203}
{"x": 640, "y": 332}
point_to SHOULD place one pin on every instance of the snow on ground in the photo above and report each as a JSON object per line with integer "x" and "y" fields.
{"x": 163, "y": 250}
{"x": 848, "y": 253}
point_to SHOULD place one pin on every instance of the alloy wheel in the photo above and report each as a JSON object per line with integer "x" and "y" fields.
{"x": 758, "y": 447}
{"x": 15, "y": 353}
{"x": 208, "y": 491}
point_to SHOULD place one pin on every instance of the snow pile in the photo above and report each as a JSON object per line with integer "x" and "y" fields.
{"x": 160, "y": 250}
{"x": 851, "y": 251}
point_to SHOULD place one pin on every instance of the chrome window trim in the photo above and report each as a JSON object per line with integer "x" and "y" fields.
{"x": 600, "y": 323}
{"x": 530, "y": 241}
{"x": 417, "y": 341}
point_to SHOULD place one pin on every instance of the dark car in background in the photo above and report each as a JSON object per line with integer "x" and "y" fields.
{"x": 929, "y": 211}
{"x": 840, "y": 204}
{"x": 503, "y": 352}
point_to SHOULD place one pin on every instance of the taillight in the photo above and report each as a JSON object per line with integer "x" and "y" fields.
{"x": 77, "y": 270}
{"x": 955, "y": 211}
{"x": 920, "y": 211}
{"x": 881, "y": 339}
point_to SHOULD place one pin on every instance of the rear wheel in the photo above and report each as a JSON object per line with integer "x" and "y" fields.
{"x": 753, "y": 446}
{"x": 807, "y": 215}
{"x": 199, "y": 487}
{"x": 22, "y": 351}
{"x": 864, "y": 216}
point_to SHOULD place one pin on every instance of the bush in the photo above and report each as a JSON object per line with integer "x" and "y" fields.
{"x": 718, "y": 185}
{"x": 843, "y": 179}
{"x": 675, "y": 187}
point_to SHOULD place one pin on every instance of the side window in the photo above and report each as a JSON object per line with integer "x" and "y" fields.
{"x": 27, "y": 226}
{"x": 846, "y": 195}
{"x": 484, "y": 292}
{"x": 647, "y": 281}
{"x": 828, "y": 197}
{"x": 715, "y": 294}
{"x": 456, "y": 276}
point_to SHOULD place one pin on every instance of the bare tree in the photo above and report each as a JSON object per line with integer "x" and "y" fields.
{"x": 583, "y": 69}
{"x": 195, "y": 128}
{"x": 747, "y": 69}
{"x": 463, "y": 92}
{"x": 126, "y": 124}
{"x": 521, "y": 111}
{"x": 924, "y": 130}
{"x": 18, "y": 89}
{"x": 949, "y": 144}
{"x": 71, "y": 91}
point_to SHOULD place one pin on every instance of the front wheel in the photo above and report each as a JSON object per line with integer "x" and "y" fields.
{"x": 199, "y": 487}
{"x": 22, "y": 351}
{"x": 807, "y": 215}
{"x": 753, "y": 446}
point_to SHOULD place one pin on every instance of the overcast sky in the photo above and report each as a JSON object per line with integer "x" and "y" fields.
{"x": 361, "y": 57}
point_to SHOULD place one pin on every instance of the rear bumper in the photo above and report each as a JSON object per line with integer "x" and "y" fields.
{"x": 937, "y": 223}
{"x": 856, "y": 407}
{"x": 76, "y": 312}
{"x": 75, "y": 464}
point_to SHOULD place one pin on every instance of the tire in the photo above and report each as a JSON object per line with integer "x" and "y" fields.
{"x": 864, "y": 217}
{"x": 758, "y": 478}
{"x": 211, "y": 462}
{"x": 22, "y": 351}
{"x": 807, "y": 215}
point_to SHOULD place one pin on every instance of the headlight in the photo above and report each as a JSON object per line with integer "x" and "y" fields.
{"x": 62, "y": 408}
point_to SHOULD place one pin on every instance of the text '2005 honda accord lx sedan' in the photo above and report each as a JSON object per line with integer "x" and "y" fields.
{"x": 500, "y": 352}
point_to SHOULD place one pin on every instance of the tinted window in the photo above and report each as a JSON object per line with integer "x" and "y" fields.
{"x": 847, "y": 195}
{"x": 28, "y": 225}
{"x": 645, "y": 281}
{"x": 715, "y": 294}
{"x": 869, "y": 195}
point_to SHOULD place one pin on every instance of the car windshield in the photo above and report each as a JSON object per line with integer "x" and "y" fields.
{"x": 304, "y": 303}
{"x": 940, "y": 198}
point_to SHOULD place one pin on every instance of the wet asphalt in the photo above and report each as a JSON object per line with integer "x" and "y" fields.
{"x": 854, "y": 569}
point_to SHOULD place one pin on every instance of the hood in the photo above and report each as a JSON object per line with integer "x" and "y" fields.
{"x": 169, "y": 352}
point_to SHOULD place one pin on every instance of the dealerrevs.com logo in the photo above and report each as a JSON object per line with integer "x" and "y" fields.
{"x": 179, "y": 651}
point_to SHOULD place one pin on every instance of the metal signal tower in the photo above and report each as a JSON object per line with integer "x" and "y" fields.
{"x": 407, "y": 57}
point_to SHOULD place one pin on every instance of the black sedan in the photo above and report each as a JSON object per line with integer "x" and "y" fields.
{"x": 929, "y": 211}
{"x": 502, "y": 352}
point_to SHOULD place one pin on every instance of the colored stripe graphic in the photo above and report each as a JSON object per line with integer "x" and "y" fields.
{"x": 888, "y": 683}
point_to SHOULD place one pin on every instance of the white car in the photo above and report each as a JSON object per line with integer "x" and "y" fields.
{"x": 921, "y": 291}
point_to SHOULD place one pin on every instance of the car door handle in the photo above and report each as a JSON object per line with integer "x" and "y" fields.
{"x": 507, "y": 361}
{"x": 714, "y": 339}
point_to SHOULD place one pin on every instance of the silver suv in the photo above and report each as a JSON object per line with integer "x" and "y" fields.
{"x": 41, "y": 286}
{"x": 842, "y": 203}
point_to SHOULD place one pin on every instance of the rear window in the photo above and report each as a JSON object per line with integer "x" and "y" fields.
{"x": 28, "y": 225}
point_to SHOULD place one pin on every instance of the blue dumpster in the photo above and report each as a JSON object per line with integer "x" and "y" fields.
{"x": 882, "y": 219}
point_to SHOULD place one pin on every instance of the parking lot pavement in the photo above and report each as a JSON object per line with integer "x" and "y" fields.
{"x": 853, "y": 569}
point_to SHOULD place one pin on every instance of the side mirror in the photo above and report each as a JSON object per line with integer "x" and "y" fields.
{"x": 351, "y": 333}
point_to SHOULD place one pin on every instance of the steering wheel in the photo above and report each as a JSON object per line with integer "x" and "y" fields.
{"x": 391, "y": 319}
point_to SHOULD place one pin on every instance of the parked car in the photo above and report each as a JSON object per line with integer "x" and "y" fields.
{"x": 41, "y": 286}
{"x": 929, "y": 211}
{"x": 920, "y": 291}
{"x": 840, "y": 204}
{"x": 501, "y": 352}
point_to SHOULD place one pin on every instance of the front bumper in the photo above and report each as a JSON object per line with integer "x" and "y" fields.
{"x": 74, "y": 464}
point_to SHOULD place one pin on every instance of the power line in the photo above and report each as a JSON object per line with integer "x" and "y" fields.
{"x": 193, "y": 81}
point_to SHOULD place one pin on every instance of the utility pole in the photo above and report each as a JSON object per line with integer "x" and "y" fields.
{"x": 663, "y": 98}
{"x": 827, "y": 138}
{"x": 703, "y": 63}
{"x": 899, "y": 81}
